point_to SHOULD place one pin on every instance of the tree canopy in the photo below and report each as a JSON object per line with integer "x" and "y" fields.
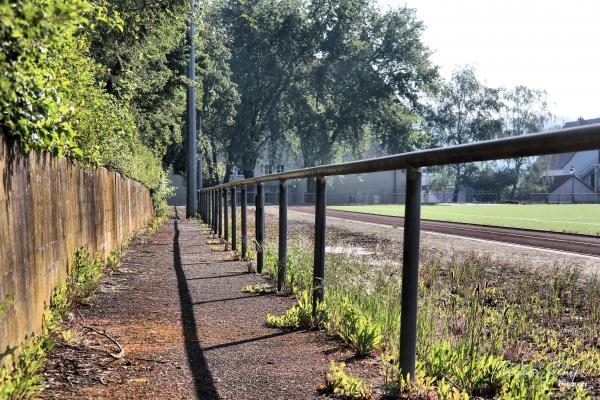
{"x": 104, "y": 83}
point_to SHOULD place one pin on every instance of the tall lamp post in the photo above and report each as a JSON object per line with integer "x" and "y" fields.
{"x": 191, "y": 203}
{"x": 572, "y": 170}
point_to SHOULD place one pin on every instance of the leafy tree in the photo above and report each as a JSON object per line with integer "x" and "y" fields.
{"x": 363, "y": 82}
{"x": 266, "y": 53}
{"x": 525, "y": 111}
{"x": 466, "y": 111}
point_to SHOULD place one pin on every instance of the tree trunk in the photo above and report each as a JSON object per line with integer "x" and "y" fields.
{"x": 517, "y": 171}
{"x": 457, "y": 185}
{"x": 228, "y": 172}
{"x": 215, "y": 172}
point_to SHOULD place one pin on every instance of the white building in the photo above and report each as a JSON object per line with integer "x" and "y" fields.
{"x": 576, "y": 176}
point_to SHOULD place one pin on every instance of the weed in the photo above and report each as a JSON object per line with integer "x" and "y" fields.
{"x": 19, "y": 376}
{"x": 8, "y": 300}
{"x": 113, "y": 261}
{"x": 258, "y": 289}
{"x": 354, "y": 327}
{"x": 85, "y": 276}
{"x": 343, "y": 385}
{"x": 300, "y": 316}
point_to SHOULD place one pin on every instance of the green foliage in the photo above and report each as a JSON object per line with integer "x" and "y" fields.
{"x": 481, "y": 332}
{"x": 8, "y": 299}
{"x": 343, "y": 385}
{"x": 160, "y": 194}
{"x": 258, "y": 288}
{"x": 301, "y": 315}
{"x": 53, "y": 95}
{"x": 20, "y": 377}
{"x": 85, "y": 275}
{"x": 354, "y": 326}
{"x": 485, "y": 375}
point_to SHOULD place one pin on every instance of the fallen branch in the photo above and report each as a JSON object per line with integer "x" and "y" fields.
{"x": 82, "y": 319}
{"x": 150, "y": 360}
{"x": 121, "y": 351}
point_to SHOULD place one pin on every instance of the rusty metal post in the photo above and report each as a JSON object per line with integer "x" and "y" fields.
{"x": 319, "y": 255}
{"x": 244, "y": 221}
{"x": 282, "y": 261}
{"x": 410, "y": 273}
{"x": 260, "y": 227}
{"x": 233, "y": 219}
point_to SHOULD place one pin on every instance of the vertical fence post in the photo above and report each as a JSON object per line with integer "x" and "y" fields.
{"x": 202, "y": 209}
{"x": 282, "y": 262}
{"x": 260, "y": 227}
{"x": 233, "y": 219}
{"x": 410, "y": 273}
{"x": 244, "y": 221}
{"x": 319, "y": 255}
{"x": 207, "y": 206}
{"x": 214, "y": 216}
{"x": 220, "y": 212}
{"x": 226, "y": 217}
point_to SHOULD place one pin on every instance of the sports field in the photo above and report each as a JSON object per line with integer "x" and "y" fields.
{"x": 572, "y": 218}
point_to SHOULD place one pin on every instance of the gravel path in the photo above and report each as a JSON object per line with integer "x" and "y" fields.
{"x": 177, "y": 309}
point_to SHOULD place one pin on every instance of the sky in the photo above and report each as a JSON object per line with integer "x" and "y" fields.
{"x": 552, "y": 45}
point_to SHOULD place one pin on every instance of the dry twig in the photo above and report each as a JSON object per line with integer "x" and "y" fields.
{"x": 121, "y": 351}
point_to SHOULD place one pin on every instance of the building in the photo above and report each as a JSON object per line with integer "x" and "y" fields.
{"x": 575, "y": 176}
{"x": 372, "y": 188}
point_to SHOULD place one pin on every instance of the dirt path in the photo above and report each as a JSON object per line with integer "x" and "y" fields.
{"x": 177, "y": 309}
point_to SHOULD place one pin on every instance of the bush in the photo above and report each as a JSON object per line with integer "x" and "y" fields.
{"x": 300, "y": 316}
{"x": 345, "y": 386}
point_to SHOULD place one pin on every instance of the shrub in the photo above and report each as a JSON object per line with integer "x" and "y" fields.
{"x": 301, "y": 315}
{"x": 345, "y": 386}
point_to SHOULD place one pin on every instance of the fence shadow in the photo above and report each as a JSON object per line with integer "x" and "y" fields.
{"x": 203, "y": 380}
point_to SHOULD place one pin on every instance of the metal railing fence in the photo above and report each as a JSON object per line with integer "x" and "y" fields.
{"x": 212, "y": 210}
{"x": 445, "y": 197}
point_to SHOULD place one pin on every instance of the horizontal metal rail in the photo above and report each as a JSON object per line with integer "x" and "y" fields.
{"x": 558, "y": 141}
{"x": 214, "y": 210}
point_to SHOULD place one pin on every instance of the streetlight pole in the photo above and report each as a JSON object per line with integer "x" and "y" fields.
{"x": 572, "y": 170}
{"x": 191, "y": 203}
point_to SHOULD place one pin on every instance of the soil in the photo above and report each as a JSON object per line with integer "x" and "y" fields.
{"x": 177, "y": 310}
{"x": 447, "y": 240}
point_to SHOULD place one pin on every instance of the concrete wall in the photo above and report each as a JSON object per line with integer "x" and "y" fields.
{"x": 48, "y": 208}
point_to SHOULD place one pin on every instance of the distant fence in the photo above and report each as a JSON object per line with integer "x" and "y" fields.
{"x": 48, "y": 208}
{"x": 437, "y": 197}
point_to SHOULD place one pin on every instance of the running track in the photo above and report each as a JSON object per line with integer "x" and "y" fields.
{"x": 581, "y": 244}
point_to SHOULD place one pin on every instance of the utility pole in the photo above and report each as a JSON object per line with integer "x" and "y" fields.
{"x": 192, "y": 194}
{"x": 572, "y": 170}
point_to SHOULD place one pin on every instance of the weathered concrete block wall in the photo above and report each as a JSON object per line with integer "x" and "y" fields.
{"x": 49, "y": 207}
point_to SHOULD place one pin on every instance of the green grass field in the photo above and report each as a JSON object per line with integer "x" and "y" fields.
{"x": 572, "y": 218}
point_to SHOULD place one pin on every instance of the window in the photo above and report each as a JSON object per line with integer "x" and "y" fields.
{"x": 268, "y": 169}
{"x": 280, "y": 168}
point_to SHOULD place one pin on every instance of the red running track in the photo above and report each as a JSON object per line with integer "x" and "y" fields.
{"x": 581, "y": 244}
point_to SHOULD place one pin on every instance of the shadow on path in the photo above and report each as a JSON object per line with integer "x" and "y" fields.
{"x": 218, "y": 276}
{"x": 252, "y": 296}
{"x": 203, "y": 380}
{"x": 254, "y": 339}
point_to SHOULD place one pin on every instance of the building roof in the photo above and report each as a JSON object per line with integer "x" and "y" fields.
{"x": 560, "y": 180}
{"x": 558, "y": 161}
{"x": 581, "y": 122}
